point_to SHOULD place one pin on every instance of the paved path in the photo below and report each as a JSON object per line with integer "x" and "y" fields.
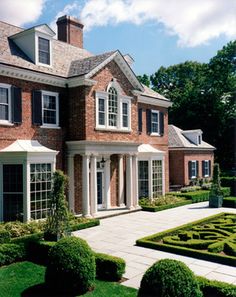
{"x": 117, "y": 235}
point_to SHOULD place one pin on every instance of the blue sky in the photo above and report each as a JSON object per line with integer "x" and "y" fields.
{"x": 154, "y": 32}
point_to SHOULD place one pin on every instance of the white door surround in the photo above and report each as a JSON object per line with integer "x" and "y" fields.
{"x": 92, "y": 152}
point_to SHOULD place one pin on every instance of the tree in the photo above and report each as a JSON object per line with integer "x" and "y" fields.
{"x": 144, "y": 79}
{"x": 204, "y": 96}
{"x": 58, "y": 218}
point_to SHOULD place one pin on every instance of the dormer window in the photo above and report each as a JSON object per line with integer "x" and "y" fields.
{"x": 44, "y": 51}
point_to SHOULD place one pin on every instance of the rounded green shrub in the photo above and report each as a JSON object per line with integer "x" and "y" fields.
{"x": 169, "y": 278}
{"x": 71, "y": 266}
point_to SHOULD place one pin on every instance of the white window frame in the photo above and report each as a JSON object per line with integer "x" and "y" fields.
{"x": 9, "y": 121}
{"x": 150, "y": 173}
{"x": 121, "y": 99}
{"x": 208, "y": 168}
{"x": 195, "y": 169}
{"x": 56, "y": 95}
{"x": 37, "y": 35}
{"x": 158, "y": 123}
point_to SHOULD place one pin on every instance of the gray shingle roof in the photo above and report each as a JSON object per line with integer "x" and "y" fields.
{"x": 178, "y": 140}
{"x": 63, "y": 53}
{"x": 81, "y": 67}
{"x": 151, "y": 93}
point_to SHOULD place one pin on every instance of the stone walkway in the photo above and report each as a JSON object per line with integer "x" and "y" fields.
{"x": 117, "y": 235}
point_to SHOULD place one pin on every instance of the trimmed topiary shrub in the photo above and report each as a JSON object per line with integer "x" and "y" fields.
{"x": 229, "y": 202}
{"x": 71, "y": 266}
{"x": 229, "y": 181}
{"x": 10, "y": 253}
{"x": 169, "y": 278}
{"x": 109, "y": 267}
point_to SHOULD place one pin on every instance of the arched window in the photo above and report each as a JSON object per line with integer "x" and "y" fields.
{"x": 112, "y": 107}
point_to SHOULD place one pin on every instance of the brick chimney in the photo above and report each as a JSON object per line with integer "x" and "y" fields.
{"x": 70, "y": 30}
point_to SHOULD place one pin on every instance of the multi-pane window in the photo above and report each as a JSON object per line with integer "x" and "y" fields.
{"x": 101, "y": 111}
{"x": 4, "y": 104}
{"x": 143, "y": 179}
{"x": 157, "y": 178}
{"x": 44, "y": 51}
{"x": 112, "y": 107}
{"x": 40, "y": 188}
{"x": 206, "y": 168}
{"x": 155, "y": 122}
{"x": 112, "y": 110}
{"x": 125, "y": 115}
{"x": 193, "y": 169}
{"x": 50, "y": 109}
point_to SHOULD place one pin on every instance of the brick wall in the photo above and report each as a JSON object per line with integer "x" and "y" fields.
{"x": 78, "y": 183}
{"x": 200, "y": 156}
{"x": 51, "y": 138}
{"x": 179, "y": 164}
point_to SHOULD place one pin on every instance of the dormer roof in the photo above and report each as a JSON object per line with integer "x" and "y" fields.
{"x": 178, "y": 140}
{"x": 44, "y": 29}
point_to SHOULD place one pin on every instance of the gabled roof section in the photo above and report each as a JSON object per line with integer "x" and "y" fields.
{"x": 82, "y": 67}
{"x": 44, "y": 28}
{"x": 177, "y": 140}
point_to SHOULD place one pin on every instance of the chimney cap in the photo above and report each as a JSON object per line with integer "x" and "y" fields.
{"x": 70, "y": 19}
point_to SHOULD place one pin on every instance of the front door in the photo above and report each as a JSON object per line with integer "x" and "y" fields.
{"x": 12, "y": 192}
{"x": 100, "y": 189}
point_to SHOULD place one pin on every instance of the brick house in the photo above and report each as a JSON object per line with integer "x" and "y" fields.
{"x": 189, "y": 156}
{"x": 88, "y": 115}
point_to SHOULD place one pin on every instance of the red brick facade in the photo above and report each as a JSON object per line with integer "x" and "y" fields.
{"x": 179, "y": 164}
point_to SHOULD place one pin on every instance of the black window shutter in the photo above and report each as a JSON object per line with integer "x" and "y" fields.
{"x": 209, "y": 167}
{"x": 203, "y": 166}
{"x": 197, "y": 165}
{"x": 140, "y": 120}
{"x": 161, "y": 123}
{"x": 149, "y": 121}
{"x": 189, "y": 169}
{"x": 16, "y": 105}
{"x": 37, "y": 107}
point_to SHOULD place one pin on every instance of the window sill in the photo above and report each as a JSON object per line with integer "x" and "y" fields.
{"x": 155, "y": 134}
{"x": 49, "y": 127}
{"x": 8, "y": 124}
{"x": 116, "y": 130}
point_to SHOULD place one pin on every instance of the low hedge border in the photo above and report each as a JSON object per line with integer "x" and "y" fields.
{"x": 167, "y": 206}
{"x": 10, "y": 253}
{"x": 109, "y": 267}
{"x": 229, "y": 202}
{"x": 149, "y": 243}
{"x": 197, "y": 196}
{"x": 216, "y": 288}
{"x": 80, "y": 226}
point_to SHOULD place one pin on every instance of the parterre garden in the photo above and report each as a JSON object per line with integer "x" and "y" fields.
{"x": 212, "y": 239}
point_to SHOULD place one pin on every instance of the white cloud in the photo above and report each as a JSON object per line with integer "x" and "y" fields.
{"x": 72, "y": 9}
{"x": 195, "y": 22}
{"x": 20, "y": 12}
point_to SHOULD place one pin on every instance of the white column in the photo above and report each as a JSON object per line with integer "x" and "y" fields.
{"x": 107, "y": 190}
{"x": 85, "y": 187}
{"x": 121, "y": 180}
{"x": 135, "y": 181}
{"x": 26, "y": 191}
{"x": 129, "y": 182}
{"x": 71, "y": 175}
{"x": 93, "y": 184}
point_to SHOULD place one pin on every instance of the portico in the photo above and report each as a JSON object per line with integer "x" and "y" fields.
{"x": 109, "y": 177}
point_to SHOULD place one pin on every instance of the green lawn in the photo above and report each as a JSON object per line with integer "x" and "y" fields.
{"x": 19, "y": 277}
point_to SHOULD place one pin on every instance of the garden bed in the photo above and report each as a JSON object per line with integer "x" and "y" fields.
{"x": 212, "y": 239}
{"x": 162, "y": 202}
